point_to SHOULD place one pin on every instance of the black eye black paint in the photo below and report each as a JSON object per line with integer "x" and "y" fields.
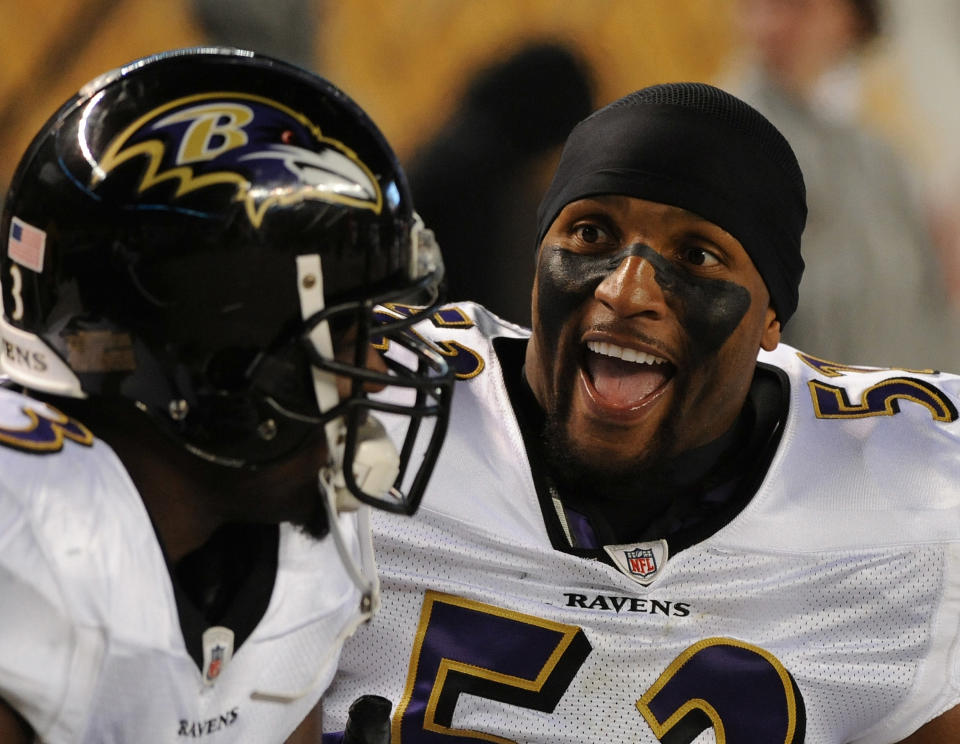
{"x": 708, "y": 309}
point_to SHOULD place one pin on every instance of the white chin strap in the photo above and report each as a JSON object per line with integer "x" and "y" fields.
{"x": 376, "y": 465}
{"x": 375, "y": 462}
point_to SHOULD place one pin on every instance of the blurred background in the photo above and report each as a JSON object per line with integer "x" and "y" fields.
{"x": 476, "y": 97}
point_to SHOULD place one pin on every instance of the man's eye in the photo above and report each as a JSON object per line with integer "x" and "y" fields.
{"x": 590, "y": 233}
{"x": 699, "y": 256}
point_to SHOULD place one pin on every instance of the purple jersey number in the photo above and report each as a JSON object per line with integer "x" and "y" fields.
{"x": 470, "y": 647}
{"x": 463, "y": 646}
{"x": 740, "y": 690}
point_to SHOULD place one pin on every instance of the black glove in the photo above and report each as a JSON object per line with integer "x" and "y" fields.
{"x": 368, "y": 721}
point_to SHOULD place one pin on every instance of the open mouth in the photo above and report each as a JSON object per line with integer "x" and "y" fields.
{"x": 622, "y": 377}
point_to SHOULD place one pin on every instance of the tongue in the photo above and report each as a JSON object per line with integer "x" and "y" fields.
{"x": 623, "y": 384}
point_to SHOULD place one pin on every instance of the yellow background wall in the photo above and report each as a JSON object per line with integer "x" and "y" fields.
{"x": 403, "y": 60}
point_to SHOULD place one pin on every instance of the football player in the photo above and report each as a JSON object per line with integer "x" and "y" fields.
{"x": 651, "y": 520}
{"x": 195, "y": 248}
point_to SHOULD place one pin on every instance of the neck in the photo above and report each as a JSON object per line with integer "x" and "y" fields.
{"x": 183, "y": 521}
{"x": 646, "y": 492}
{"x": 177, "y": 488}
{"x": 702, "y": 466}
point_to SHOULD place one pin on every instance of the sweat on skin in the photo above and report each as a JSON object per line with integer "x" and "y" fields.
{"x": 709, "y": 309}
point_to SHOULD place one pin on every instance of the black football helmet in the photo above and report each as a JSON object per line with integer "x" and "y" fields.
{"x": 194, "y": 233}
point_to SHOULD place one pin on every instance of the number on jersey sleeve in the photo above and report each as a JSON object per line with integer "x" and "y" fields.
{"x": 881, "y": 399}
{"x": 466, "y": 362}
{"x": 45, "y": 434}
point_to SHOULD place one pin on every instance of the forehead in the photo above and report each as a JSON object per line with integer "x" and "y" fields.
{"x": 633, "y": 212}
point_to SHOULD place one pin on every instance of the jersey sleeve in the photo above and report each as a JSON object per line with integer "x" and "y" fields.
{"x": 48, "y": 663}
{"x": 936, "y": 686}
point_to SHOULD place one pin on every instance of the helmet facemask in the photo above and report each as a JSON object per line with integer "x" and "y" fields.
{"x": 365, "y": 466}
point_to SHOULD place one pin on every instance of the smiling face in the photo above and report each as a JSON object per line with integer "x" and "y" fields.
{"x": 647, "y": 322}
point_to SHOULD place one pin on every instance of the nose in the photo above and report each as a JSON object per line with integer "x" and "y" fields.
{"x": 373, "y": 361}
{"x": 632, "y": 289}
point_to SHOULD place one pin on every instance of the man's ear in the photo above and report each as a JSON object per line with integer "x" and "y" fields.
{"x": 771, "y": 331}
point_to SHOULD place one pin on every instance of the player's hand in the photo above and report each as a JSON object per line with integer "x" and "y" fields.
{"x": 368, "y": 721}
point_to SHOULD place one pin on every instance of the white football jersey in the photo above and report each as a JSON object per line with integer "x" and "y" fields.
{"x": 827, "y": 611}
{"x": 91, "y": 647}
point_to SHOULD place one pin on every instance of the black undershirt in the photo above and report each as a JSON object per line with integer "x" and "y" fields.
{"x": 227, "y": 581}
{"x": 696, "y": 494}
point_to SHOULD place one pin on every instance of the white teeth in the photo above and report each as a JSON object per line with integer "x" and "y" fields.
{"x": 627, "y": 355}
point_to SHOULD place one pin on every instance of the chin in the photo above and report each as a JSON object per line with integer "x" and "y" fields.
{"x": 603, "y": 455}
{"x": 270, "y": 500}
{"x": 305, "y": 510}
{"x": 594, "y": 441}
{"x": 583, "y": 461}
{"x": 316, "y": 527}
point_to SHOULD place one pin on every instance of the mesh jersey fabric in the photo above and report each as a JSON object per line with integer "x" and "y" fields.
{"x": 830, "y": 605}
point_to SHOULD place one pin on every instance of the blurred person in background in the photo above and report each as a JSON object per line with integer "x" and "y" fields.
{"x": 479, "y": 178}
{"x": 923, "y": 41}
{"x": 873, "y": 291}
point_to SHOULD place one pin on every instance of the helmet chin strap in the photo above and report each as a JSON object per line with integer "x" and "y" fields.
{"x": 336, "y": 497}
{"x": 376, "y": 464}
{"x": 375, "y": 461}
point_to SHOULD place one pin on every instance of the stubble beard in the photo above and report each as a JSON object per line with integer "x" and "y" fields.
{"x": 582, "y": 474}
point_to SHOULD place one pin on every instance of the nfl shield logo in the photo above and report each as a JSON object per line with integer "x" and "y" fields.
{"x": 641, "y": 562}
{"x": 216, "y": 663}
{"x": 217, "y": 652}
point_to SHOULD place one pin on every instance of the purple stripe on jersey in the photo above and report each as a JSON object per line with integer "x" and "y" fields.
{"x": 580, "y": 529}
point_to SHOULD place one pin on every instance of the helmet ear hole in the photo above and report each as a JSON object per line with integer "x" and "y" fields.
{"x": 228, "y": 369}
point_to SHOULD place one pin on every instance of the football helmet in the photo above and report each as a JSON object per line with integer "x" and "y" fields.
{"x": 194, "y": 233}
